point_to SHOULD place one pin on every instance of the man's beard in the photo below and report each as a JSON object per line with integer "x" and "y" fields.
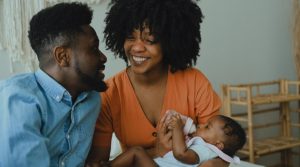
{"x": 92, "y": 82}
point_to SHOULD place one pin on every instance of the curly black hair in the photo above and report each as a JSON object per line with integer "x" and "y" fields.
{"x": 235, "y": 134}
{"x": 57, "y": 25}
{"x": 175, "y": 24}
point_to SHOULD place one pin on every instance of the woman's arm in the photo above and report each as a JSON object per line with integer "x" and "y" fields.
{"x": 101, "y": 145}
{"x": 96, "y": 155}
{"x": 214, "y": 162}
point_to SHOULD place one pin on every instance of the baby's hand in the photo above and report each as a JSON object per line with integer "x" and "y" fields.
{"x": 171, "y": 113}
{"x": 175, "y": 122}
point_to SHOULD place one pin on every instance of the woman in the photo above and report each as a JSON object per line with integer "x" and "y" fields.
{"x": 159, "y": 40}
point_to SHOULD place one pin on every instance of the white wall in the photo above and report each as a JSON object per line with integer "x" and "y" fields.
{"x": 247, "y": 41}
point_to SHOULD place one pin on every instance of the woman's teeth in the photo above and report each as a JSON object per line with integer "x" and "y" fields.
{"x": 139, "y": 60}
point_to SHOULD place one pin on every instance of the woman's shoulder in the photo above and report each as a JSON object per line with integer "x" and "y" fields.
{"x": 117, "y": 79}
{"x": 191, "y": 74}
{"x": 117, "y": 84}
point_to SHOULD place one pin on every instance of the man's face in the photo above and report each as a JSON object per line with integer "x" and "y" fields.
{"x": 88, "y": 61}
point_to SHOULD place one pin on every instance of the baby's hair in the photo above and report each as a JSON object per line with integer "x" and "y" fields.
{"x": 235, "y": 136}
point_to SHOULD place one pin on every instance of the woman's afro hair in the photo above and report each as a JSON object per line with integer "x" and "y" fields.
{"x": 175, "y": 24}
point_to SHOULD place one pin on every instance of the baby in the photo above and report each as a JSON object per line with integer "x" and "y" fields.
{"x": 220, "y": 137}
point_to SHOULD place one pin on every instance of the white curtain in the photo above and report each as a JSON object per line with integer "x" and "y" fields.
{"x": 14, "y": 23}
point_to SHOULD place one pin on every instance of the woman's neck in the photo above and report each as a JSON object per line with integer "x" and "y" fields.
{"x": 153, "y": 77}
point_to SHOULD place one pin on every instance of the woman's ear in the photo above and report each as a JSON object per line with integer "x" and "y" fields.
{"x": 220, "y": 145}
{"x": 61, "y": 56}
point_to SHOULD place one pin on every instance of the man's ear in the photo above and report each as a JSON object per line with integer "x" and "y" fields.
{"x": 62, "y": 56}
{"x": 220, "y": 145}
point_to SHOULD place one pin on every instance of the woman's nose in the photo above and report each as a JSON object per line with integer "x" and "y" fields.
{"x": 138, "y": 46}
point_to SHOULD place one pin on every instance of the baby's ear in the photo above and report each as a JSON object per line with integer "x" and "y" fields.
{"x": 220, "y": 145}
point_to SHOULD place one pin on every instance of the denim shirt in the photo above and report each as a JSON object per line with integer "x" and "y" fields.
{"x": 41, "y": 126}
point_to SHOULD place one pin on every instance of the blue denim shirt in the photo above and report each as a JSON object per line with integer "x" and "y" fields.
{"x": 41, "y": 126}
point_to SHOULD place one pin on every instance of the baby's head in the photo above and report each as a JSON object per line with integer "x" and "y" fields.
{"x": 224, "y": 133}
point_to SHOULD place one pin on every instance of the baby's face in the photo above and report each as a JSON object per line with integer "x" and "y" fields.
{"x": 212, "y": 131}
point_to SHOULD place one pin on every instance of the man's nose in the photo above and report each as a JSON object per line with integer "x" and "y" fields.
{"x": 103, "y": 58}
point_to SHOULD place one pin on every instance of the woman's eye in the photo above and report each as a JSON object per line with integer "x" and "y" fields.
{"x": 130, "y": 38}
{"x": 150, "y": 41}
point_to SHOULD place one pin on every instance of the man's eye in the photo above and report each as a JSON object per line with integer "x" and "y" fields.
{"x": 96, "y": 49}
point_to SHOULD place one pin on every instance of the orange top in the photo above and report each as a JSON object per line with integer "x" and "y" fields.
{"x": 187, "y": 92}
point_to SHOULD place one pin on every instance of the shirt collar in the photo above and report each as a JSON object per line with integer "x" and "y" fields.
{"x": 52, "y": 87}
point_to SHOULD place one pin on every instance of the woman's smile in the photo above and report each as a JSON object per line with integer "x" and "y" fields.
{"x": 139, "y": 59}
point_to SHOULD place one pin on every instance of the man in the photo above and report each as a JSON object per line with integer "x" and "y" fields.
{"x": 48, "y": 117}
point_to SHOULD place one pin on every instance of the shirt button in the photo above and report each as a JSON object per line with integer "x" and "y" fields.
{"x": 57, "y": 97}
{"x": 154, "y": 134}
{"x": 62, "y": 164}
{"x": 68, "y": 136}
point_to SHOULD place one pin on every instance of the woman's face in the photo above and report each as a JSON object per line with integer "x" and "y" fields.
{"x": 143, "y": 53}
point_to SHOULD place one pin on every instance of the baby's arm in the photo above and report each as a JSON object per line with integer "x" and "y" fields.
{"x": 180, "y": 150}
{"x": 189, "y": 126}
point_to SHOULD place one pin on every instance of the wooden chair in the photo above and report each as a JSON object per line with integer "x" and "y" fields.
{"x": 268, "y": 100}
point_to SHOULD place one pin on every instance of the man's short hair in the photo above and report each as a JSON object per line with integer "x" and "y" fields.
{"x": 57, "y": 25}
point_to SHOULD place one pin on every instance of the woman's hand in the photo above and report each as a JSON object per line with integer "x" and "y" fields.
{"x": 164, "y": 138}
